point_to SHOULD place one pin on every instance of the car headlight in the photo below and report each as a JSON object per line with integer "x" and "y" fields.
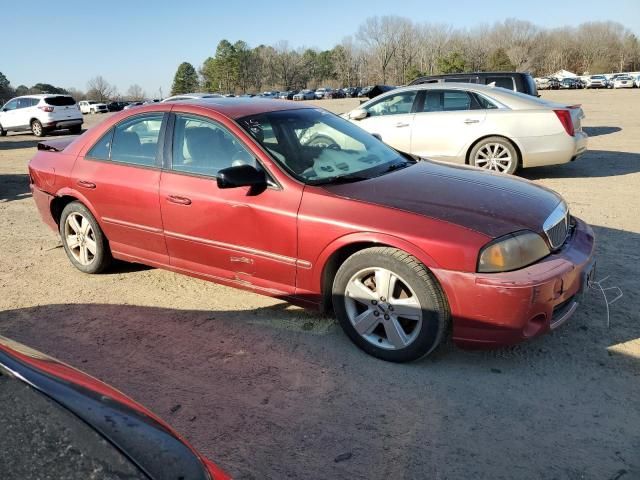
{"x": 511, "y": 252}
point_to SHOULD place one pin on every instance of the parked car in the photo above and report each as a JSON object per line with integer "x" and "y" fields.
{"x": 133, "y": 105}
{"x": 334, "y": 219}
{"x": 304, "y": 95}
{"x": 374, "y": 90}
{"x": 352, "y": 92}
{"x": 611, "y": 80}
{"x": 40, "y": 114}
{"x": 337, "y": 93}
{"x": 116, "y": 106}
{"x": 624, "y": 81}
{"x": 636, "y": 81}
{"x": 191, "y": 96}
{"x": 547, "y": 83}
{"x": 570, "y": 83}
{"x": 597, "y": 81}
{"x": 483, "y": 126}
{"x": 83, "y": 428}
{"x": 320, "y": 92}
{"x": 516, "y": 81}
{"x": 90, "y": 106}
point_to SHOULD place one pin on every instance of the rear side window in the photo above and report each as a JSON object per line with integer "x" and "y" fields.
{"x": 484, "y": 103}
{"x": 455, "y": 100}
{"x": 27, "y": 102}
{"x": 61, "y": 101}
{"x": 504, "y": 82}
{"x": 102, "y": 149}
{"x": 133, "y": 141}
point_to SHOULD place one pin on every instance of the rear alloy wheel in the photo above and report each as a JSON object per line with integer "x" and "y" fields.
{"x": 36, "y": 128}
{"x": 83, "y": 240}
{"x": 496, "y": 154}
{"x": 389, "y": 304}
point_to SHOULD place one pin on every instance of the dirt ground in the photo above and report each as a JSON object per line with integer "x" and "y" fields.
{"x": 268, "y": 390}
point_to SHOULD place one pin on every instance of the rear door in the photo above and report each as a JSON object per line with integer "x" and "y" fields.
{"x": 391, "y": 118}
{"x": 119, "y": 176}
{"x": 446, "y": 121}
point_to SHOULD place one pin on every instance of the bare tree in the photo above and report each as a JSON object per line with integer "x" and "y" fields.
{"x": 135, "y": 93}
{"x": 380, "y": 35}
{"x": 99, "y": 89}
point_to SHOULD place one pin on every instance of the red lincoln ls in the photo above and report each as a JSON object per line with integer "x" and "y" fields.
{"x": 295, "y": 202}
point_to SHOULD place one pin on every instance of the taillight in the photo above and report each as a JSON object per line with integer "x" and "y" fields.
{"x": 565, "y": 119}
{"x": 46, "y": 109}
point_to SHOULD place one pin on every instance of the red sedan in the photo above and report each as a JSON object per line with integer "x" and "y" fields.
{"x": 298, "y": 203}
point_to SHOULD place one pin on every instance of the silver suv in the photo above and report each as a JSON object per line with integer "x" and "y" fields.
{"x": 40, "y": 114}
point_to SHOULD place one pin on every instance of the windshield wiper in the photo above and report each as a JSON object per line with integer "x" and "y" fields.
{"x": 340, "y": 179}
{"x": 397, "y": 166}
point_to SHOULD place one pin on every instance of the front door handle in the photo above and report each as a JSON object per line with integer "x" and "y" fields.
{"x": 179, "y": 200}
{"x": 85, "y": 184}
{"x": 401, "y": 124}
{"x": 471, "y": 120}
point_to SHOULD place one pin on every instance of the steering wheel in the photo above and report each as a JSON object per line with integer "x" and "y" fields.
{"x": 324, "y": 141}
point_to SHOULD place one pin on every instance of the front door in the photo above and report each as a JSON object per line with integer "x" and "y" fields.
{"x": 120, "y": 176}
{"x": 10, "y": 117}
{"x": 236, "y": 234}
{"x": 391, "y": 118}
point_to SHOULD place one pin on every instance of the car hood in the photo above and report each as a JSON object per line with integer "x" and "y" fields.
{"x": 489, "y": 203}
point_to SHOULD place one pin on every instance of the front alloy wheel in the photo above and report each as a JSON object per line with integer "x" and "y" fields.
{"x": 389, "y": 304}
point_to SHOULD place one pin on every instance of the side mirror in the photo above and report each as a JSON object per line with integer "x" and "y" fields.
{"x": 358, "y": 114}
{"x": 242, "y": 176}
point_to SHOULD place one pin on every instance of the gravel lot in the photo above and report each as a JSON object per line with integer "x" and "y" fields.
{"x": 268, "y": 390}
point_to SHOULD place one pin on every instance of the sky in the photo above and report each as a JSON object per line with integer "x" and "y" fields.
{"x": 133, "y": 41}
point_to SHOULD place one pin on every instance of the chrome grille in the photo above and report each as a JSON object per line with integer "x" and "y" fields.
{"x": 557, "y": 226}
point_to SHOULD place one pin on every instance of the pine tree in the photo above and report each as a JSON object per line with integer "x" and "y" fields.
{"x": 185, "y": 79}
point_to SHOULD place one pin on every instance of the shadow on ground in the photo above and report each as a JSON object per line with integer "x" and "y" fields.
{"x": 14, "y": 186}
{"x": 594, "y": 163}
{"x": 598, "y": 131}
{"x": 19, "y": 140}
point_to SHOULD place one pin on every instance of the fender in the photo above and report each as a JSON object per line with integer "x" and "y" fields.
{"x": 365, "y": 237}
{"x": 71, "y": 192}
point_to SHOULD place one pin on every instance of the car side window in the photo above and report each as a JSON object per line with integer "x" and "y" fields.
{"x": 393, "y": 104}
{"x": 12, "y": 105}
{"x": 455, "y": 100}
{"x": 102, "y": 149}
{"x": 204, "y": 147}
{"x": 135, "y": 140}
{"x": 484, "y": 103}
{"x": 24, "y": 102}
{"x": 504, "y": 82}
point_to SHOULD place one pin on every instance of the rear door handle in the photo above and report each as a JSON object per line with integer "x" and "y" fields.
{"x": 400, "y": 125}
{"x": 179, "y": 200}
{"x": 471, "y": 120}
{"x": 85, "y": 184}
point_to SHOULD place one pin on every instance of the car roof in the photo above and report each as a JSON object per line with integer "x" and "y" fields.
{"x": 44, "y": 95}
{"x": 232, "y": 107}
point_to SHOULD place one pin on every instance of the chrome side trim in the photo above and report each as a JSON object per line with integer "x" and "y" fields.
{"x": 122, "y": 223}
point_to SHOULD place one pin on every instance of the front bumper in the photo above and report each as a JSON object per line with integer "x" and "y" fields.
{"x": 506, "y": 308}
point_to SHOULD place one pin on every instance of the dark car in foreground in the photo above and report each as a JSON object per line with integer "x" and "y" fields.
{"x": 116, "y": 106}
{"x": 517, "y": 81}
{"x": 58, "y": 422}
{"x": 295, "y": 202}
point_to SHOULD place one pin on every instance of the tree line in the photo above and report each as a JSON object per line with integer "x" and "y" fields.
{"x": 395, "y": 50}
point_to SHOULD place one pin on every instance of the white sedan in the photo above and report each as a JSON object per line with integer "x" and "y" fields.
{"x": 623, "y": 82}
{"x": 485, "y": 126}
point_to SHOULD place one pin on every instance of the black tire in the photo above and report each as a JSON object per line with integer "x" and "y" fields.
{"x": 505, "y": 143}
{"x": 102, "y": 257}
{"x": 76, "y": 129}
{"x": 433, "y": 304}
{"x": 3, "y": 132}
{"x": 37, "y": 129}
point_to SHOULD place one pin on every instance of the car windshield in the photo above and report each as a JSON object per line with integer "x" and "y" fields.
{"x": 318, "y": 147}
